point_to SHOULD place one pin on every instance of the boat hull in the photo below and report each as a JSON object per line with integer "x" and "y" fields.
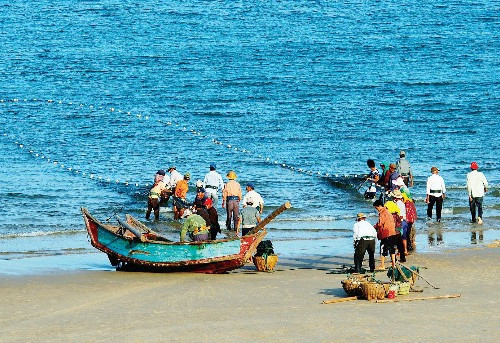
{"x": 128, "y": 252}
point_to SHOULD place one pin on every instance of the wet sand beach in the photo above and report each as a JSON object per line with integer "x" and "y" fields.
{"x": 250, "y": 306}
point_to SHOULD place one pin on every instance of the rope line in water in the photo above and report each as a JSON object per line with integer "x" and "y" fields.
{"x": 85, "y": 174}
{"x": 197, "y": 133}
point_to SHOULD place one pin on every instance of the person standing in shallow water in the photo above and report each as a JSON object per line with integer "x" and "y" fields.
{"x": 213, "y": 183}
{"x": 214, "y": 218}
{"x": 231, "y": 197}
{"x": 403, "y": 167}
{"x": 476, "y": 187}
{"x": 155, "y": 194}
{"x": 373, "y": 177}
{"x": 436, "y": 193}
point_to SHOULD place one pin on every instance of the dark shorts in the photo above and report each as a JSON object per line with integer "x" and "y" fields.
{"x": 388, "y": 245}
{"x": 199, "y": 237}
{"x": 404, "y": 230}
{"x": 246, "y": 230}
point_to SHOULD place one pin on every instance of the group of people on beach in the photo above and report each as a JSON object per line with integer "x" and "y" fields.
{"x": 397, "y": 211}
{"x": 202, "y": 220}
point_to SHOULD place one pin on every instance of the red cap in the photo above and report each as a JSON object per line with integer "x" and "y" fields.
{"x": 207, "y": 201}
{"x": 473, "y": 166}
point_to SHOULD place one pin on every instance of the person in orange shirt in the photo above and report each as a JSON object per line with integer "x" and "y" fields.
{"x": 386, "y": 233}
{"x": 231, "y": 197}
{"x": 179, "y": 198}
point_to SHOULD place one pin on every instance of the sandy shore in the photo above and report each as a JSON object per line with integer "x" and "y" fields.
{"x": 250, "y": 306}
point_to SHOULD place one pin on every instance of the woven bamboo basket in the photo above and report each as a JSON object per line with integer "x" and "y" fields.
{"x": 265, "y": 264}
{"x": 386, "y": 285}
{"x": 352, "y": 285}
{"x": 373, "y": 291}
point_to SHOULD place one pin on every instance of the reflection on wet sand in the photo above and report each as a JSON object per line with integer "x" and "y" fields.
{"x": 473, "y": 237}
{"x": 438, "y": 240}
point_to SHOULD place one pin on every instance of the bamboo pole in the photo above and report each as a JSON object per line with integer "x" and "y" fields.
{"x": 270, "y": 217}
{"x": 447, "y": 296}
{"x": 417, "y": 274}
{"x": 339, "y": 300}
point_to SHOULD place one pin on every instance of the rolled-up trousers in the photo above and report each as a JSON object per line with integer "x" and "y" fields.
{"x": 233, "y": 208}
{"x": 439, "y": 206}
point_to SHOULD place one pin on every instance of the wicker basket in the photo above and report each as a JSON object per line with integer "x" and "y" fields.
{"x": 265, "y": 264}
{"x": 373, "y": 291}
{"x": 386, "y": 285}
{"x": 352, "y": 285}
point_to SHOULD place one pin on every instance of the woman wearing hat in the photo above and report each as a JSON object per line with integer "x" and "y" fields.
{"x": 364, "y": 240}
{"x": 436, "y": 192}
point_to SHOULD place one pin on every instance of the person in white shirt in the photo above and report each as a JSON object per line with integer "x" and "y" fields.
{"x": 436, "y": 192}
{"x": 476, "y": 187}
{"x": 175, "y": 177}
{"x": 170, "y": 182}
{"x": 364, "y": 240}
{"x": 257, "y": 202}
{"x": 212, "y": 184}
{"x": 165, "y": 193}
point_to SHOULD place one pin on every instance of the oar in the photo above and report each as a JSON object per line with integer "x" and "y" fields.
{"x": 414, "y": 272}
{"x": 270, "y": 217}
{"x": 339, "y": 300}
{"x": 447, "y": 296}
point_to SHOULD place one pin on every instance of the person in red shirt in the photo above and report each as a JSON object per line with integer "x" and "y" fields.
{"x": 386, "y": 233}
{"x": 411, "y": 218}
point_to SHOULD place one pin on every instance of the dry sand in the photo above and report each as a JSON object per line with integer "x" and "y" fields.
{"x": 250, "y": 306}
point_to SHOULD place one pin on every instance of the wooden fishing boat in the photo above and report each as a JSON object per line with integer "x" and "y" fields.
{"x": 133, "y": 246}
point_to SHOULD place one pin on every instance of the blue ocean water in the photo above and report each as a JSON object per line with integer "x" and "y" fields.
{"x": 294, "y": 96}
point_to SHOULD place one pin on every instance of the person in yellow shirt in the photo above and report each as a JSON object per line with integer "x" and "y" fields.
{"x": 154, "y": 196}
{"x": 231, "y": 197}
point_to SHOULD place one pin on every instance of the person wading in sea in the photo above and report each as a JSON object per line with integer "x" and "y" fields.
{"x": 257, "y": 200}
{"x": 155, "y": 194}
{"x": 179, "y": 198}
{"x": 249, "y": 217}
{"x": 214, "y": 218}
{"x": 476, "y": 187}
{"x": 213, "y": 183}
{"x": 404, "y": 169}
{"x": 436, "y": 192}
{"x": 231, "y": 197}
{"x": 374, "y": 178}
